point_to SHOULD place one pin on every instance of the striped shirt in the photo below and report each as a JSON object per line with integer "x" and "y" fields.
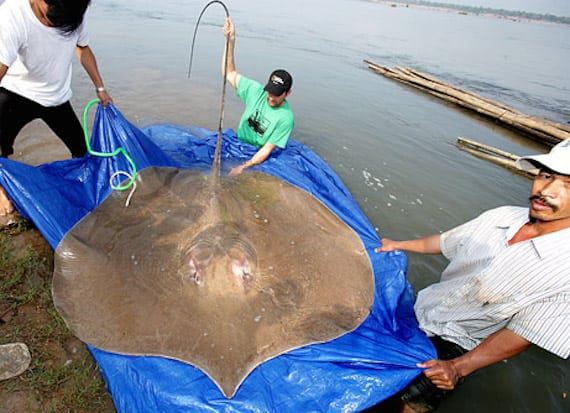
{"x": 489, "y": 285}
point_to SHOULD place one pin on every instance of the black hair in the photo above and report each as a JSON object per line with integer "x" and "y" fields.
{"x": 66, "y": 15}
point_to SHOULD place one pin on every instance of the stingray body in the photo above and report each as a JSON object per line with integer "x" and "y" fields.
{"x": 221, "y": 273}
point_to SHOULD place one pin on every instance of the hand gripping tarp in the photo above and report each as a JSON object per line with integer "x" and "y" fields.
{"x": 350, "y": 373}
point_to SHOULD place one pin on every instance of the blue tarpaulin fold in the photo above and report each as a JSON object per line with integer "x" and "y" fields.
{"x": 349, "y": 373}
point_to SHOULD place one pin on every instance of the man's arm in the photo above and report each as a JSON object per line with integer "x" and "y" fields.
{"x": 426, "y": 245}
{"x": 498, "y": 346}
{"x": 261, "y": 155}
{"x": 89, "y": 63}
{"x": 3, "y": 70}
{"x": 229, "y": 32}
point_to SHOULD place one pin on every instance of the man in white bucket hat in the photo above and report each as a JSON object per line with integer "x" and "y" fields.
{"x": 507, "y": 285}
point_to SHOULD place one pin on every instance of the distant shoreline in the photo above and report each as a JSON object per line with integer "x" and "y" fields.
{"x": 514, "y": 16}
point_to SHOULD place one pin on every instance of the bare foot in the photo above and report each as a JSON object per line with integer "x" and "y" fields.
{"x": 6, "y": 206}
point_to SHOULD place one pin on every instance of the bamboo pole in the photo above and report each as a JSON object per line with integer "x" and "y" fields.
{"x": 491, "y": 154}
{"x": 433, "y": 79}
{"x": 541, "y": 129}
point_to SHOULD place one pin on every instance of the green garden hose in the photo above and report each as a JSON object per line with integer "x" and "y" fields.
{"x": 132, "y": 176}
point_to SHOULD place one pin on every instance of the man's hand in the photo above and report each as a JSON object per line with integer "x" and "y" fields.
{"x": 237, "y": 170}
{"x": 6, "y": 206}
{"x": 229, "y": 29}
{"x": 387, "y": 245}
{"x": 442, "y": 374}
{"x": 500, "y": 345}
{"x": 229, "y": 71}
{"x": 104, "y": 97}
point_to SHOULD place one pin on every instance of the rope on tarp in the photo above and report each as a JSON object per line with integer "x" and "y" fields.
{"x": 131, "y": 176}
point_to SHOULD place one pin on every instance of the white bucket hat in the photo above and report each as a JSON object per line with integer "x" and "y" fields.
{"x": 557, "y": 160}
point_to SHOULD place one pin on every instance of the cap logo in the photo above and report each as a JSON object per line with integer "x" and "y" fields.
{"x": 277, "y": 80}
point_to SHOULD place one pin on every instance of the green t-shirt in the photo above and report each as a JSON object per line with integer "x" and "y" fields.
{"x": 261, "y": 123}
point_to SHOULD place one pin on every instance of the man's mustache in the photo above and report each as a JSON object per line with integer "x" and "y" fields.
{"x": 544, "y": 201}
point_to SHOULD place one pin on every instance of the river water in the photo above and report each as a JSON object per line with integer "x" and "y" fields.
{"x": 391, "y": 145}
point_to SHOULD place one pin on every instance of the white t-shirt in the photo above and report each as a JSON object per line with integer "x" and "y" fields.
{"x": 38, "y": 57}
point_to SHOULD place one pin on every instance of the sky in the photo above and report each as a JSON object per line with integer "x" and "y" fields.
{"x": 556, "y": 7}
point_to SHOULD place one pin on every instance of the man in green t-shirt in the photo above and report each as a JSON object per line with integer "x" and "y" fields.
{"x": 267, "y": 120}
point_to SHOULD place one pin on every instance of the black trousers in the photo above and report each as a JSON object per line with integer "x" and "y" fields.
{"x": 17, "y": 111}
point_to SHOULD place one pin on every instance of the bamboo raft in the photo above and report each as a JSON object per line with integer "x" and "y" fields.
{"x": 489, "y": 153}
{"x": 542, "y": 130}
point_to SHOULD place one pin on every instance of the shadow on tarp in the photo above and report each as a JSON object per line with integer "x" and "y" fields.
{"x": 349, "y": 373}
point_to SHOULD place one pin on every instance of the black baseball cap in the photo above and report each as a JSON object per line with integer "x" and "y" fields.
{"x": 279, "y": 82}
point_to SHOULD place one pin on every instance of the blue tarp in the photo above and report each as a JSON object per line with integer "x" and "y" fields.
{"x": 347, "y": 374}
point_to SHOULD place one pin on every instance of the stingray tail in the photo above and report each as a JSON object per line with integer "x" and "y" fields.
{"x": 217, "y": 153}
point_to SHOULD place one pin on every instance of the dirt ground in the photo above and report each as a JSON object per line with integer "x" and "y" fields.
{"x": 62, "y": 376}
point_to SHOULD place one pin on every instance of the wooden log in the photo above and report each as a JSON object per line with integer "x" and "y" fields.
{"x": 429, "y": 82}
{"x": 565, "y": 127}
{"x": 433, "y": 79}
{"x": 487, "y": 148}
{"x": 546, "y": 131}
{"x": 492, "y": 154}
{"x": 474, "y": 102}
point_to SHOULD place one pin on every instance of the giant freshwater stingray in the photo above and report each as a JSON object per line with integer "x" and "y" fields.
{"x": 222, "y": 273}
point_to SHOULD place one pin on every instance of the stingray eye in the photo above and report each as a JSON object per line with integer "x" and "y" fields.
{"x": 246, "y": 270}
{"x": 247, "y": 277}
{"x": 192, "y": 273}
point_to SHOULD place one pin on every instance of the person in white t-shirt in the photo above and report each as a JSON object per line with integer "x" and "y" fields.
{"x": 37, "y": 41}
{"x": 507, "y": 284}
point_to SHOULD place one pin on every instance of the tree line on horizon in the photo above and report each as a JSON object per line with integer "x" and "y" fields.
{"x": 488, "y": 10}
